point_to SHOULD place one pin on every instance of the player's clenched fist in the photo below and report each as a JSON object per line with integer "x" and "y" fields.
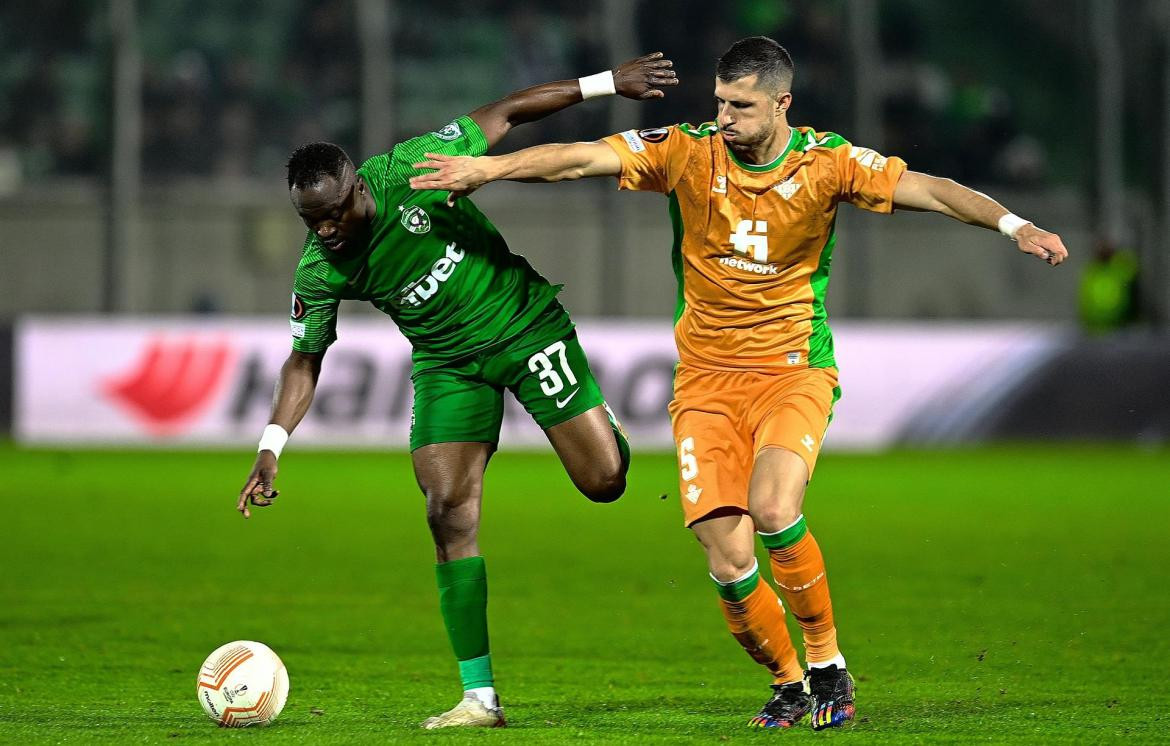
{"x": 642, "y": 78}
{"x": 258, "y": 489}
{"x": 1041, "y": 243}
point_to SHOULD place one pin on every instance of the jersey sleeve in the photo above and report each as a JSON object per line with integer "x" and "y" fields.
{"x": 461, "y": 137}
{"x": 652, "y": 160}
{"x": 313, "y": 317}
{"x": 867, "y": 178}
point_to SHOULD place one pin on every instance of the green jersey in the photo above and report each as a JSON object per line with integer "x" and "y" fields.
{"x": 444, "y": 274}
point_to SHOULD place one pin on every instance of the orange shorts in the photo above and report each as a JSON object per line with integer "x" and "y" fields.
{"x": 722, "y": 419}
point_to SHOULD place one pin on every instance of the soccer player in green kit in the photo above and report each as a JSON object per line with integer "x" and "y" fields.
{"x": 479, "y": 319}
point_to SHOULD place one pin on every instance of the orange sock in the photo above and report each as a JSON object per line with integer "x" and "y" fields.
{"x": 799, "y": 569}
{"x": 756, "y": 620}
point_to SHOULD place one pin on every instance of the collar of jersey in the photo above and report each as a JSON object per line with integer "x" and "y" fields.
{"x": 793, "y": 137}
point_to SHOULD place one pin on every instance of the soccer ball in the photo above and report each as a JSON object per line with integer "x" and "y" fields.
{"x": 242, "y": 683}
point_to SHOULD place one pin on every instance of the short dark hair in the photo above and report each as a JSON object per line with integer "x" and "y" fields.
{"x": 312, "y": 162}
{"x": 757, "y": 55}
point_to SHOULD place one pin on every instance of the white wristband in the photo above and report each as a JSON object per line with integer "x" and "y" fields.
{"x": 1009, "y": 224}
{"x": 600, "y": 84}
{"x": 273, "y": 439}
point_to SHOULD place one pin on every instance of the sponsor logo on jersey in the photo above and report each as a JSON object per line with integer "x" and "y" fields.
{"x": 423, "y": 289}
{"x": 415, "y": 220}
{"x": 298, "y": 308}
{"x": 751, "y": 237}
{"x": 720, "y": 185}
{"x": 744, "y": 264}
{"x": 794, "y": 358}
{"x": 451, "y": 132}
{"x": 871, "y": 159}
{"x": 787, "y": 188}
{"x": 808, "y": 442}
{"x": 298, "y": 328}
{"x": 658, "y": 134}
{"x": 633, "y": 142}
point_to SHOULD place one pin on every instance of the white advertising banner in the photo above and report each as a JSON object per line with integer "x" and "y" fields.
{"x": 209, "y": 381}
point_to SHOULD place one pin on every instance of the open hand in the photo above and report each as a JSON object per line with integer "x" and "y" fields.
{"x": 258, "y": 489}
{"x": 459, "y": 174}
{"x": 645, "y": 77}
{"x": 1041, "y": 243}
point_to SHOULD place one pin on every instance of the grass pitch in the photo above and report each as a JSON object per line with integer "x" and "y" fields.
{"x": 1014, "y": 594}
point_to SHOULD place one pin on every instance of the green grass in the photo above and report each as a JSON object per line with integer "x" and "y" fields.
{"x": 1011, "y": 594}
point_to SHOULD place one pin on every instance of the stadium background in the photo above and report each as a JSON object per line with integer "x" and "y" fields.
{"x": 144, "y": 218}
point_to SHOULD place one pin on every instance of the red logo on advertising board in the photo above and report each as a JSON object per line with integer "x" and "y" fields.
{"x": 172, "y": 382}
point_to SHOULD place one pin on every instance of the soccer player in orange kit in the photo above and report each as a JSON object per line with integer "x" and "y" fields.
{"x": 753, "y": 203}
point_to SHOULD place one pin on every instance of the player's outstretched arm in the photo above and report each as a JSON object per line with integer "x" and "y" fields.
{"x": 642, "y": 78}
{"x": 294, "y": 393}
{"x": 919, "y": 191}
{"x": 461, "y": 175}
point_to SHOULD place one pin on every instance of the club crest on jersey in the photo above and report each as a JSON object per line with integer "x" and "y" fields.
{"x": 787, "y": 188}
{"x": 451, "y": 132}
{"x": 415, "y": 219}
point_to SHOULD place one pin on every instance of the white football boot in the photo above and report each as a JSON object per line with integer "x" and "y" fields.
{"x": 469, "y": 713}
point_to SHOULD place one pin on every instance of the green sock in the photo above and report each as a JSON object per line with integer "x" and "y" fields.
{"x": 786, "y": 537}
{"x": 463, "y": 602}
{"x": 740, "y": 589}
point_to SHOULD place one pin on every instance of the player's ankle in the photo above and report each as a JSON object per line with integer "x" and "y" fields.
{"x": 485, "y": 694}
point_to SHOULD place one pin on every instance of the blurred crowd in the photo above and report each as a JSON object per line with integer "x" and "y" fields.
{"x": 227, "y": 94}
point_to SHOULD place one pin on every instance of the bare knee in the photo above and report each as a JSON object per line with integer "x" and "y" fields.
{"x": 729, "y": 557}
{"x": 776, "y": 516}
{"x": 776, "y": 492}
{"x": 604, "y": 483}
{"x": 453, "y": 517}
{"x": 730, "y": 565}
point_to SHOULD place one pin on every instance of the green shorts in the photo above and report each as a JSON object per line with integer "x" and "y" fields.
{"x": 543, "y": 366}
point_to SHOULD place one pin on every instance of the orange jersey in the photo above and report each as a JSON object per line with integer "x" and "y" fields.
{"x": 753, "y": 244}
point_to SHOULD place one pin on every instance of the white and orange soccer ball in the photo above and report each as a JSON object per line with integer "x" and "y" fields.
{"x": 242, "y": 683}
